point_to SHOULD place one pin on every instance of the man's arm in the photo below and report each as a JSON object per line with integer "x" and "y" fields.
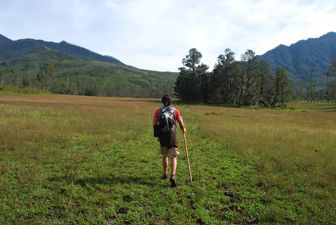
{"x": 156, "y": 117}
{"x": 154, "y": 121}
{"x": 181, "y": 123}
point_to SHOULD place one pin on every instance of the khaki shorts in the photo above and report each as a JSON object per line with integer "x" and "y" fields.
{"x": 170, "y": 152}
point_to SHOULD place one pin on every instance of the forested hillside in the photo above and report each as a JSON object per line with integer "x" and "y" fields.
{"x": 306, "y": 59}
{"x": 69, "y": 69}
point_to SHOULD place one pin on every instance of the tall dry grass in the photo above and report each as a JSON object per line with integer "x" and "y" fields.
{"x": 294, "y": 150}
{"x": 287, "y": 140}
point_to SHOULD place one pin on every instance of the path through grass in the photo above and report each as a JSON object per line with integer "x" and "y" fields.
{"x": 83, "y": 160}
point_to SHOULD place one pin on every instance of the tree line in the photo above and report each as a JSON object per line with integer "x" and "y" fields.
{"x": 43, "y": 79}
{"x": 245, "y": 82}
{"x": 313, "y": 91}
{"x": 47, "y": 77}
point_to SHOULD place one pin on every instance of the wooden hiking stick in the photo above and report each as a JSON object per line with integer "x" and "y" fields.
{"x": 186, "y": 148}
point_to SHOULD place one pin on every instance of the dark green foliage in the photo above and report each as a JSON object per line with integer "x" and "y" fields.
{"x": 193, "y": 82}
{"x": 14, "y": 77}
{"x": 46, "y": 75}
{"x": 282, "y": 85}
{"x": 267, "y": 90}
{"x": 301, "y": 58}
{"x": 246, "y": 82}
{"x": 204, "y": 78}
{"x": 225, "y": 80}
{"x": 249, "y": 90}
{"x": 187, "y": 86}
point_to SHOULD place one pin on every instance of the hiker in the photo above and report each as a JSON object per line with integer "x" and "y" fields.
{"x": 164, "y": 123}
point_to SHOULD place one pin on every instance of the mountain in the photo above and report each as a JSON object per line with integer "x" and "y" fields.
{"x": 306, "y": 57}
{"x": 4, "y": 40}
{"x": 12, "y": 48}
{"x": 78, "y": 70}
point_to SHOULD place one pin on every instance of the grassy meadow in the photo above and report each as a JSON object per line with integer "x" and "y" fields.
{"x": 93, "y": 160}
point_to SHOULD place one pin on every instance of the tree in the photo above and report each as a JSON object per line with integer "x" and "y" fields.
{"x": 192, "y": 59}
{"x": 330, "y": 82}
{"x": 193, "y": 79}
{"x": 46, "y": 74}
{"x": 25, "y": 81}
{"x": 14, "y": 77}
{"x": 245, "y": 82}
{"x": 266, "y": 86}
{"x": 249, "y": 89}
{"x": 224, "y": 80}
{"x": 187, "y": 86}
{"x": 311, "y": 87}
{"x": 299, "y": 90}
{"x": 204, "y": 79}
{"x": 282, "y": 86}
{"x": 88, "y": 86}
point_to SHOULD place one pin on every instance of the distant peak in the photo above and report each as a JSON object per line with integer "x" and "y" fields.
{"x": 2, "y": 36}
{"x": 281, "y": 46}
{"x": 4, "y": 39}
{"x": 329, "y": 34}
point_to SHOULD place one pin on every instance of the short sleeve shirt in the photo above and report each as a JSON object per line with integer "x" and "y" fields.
{"x": 177, "y": 114}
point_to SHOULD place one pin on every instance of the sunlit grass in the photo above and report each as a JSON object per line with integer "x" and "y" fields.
{"x": 294, "y": 152}
{"x": 93, "y": 160}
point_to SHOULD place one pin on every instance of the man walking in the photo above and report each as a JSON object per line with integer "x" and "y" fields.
{"x": 165, "y": 118}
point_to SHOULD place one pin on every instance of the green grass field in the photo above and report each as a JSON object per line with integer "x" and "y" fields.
{"x": 93, "y": 160}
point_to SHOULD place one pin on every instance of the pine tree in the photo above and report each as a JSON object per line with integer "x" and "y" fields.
{"x": 224, "y": 81}
{"x": 282, "y": 86}
{"x": 193, "y": 79}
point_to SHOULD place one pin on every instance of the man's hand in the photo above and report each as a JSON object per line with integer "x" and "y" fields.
{"x": 184, "y": 130}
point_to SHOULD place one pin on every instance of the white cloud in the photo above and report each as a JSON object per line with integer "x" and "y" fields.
{"x": 157, "y": 34}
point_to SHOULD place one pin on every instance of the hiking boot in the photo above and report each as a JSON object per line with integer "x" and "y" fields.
{"x": 164, "y": 177}
{"x": 172, "y": 182}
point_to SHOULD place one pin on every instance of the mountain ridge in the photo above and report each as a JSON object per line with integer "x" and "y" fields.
{"x": 303, "y": 58}
{"x": 78, "y": 70}
{"x": 8, "y": 48}
{"x": 4, "y": 40}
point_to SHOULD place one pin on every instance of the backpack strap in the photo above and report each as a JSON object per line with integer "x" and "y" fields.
{"x": 162, "y": 109}
{"x": 160, "y": 113}
{"x": 174, "y": 110}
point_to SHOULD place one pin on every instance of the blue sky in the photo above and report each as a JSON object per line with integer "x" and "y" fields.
{"x": 157, "y": 34}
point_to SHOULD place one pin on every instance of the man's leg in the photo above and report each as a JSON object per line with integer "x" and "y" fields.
{"x": 165, "y": 165}
{"x": 164, "y": 151}
{"x": 173, "y": 153}
{"x": 173, "y": 166}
